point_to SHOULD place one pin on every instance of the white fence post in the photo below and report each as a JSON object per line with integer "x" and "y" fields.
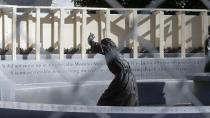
{"x": 77, "y": 24}
{"x": 84, "y": 38}
{"x": 161, "y": 34}
{"x": 153, "y": 28}
{"x": 130, "y": 28}
{"x": 14, "y": 44}
{"x": 100, "y": 29}
{"x": 107, "y": 23}
{"x": 53, "y": 30}
{"x": 135, "y": 34}
{"x": 37, "y": 34}
{"x": 204, "y": 27}
{"x": 61, "y": 35}
{"x": 183, "y": 39}
{"x": 3, "y": 30}
{"x": 27, "y": 32}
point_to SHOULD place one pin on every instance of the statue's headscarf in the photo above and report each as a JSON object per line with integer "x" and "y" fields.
{"x": 108, "y": 43}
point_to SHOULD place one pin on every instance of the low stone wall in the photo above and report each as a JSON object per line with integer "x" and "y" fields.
{"x": 151, "y": 92}
{"x": 82, "y": 81}
{"x": 80, "y": 70}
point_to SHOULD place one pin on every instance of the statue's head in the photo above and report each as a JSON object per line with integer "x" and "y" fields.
{"x": 108, "y": 42}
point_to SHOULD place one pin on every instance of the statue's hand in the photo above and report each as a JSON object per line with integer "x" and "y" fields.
{"x": 90, "y": 37}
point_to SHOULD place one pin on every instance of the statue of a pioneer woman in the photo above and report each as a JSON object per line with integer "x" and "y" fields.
{"x": 123, "y": 89}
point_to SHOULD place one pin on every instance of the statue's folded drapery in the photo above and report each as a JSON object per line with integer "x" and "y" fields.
{"x": 207, "y": 53}
{"x": 123, "y": 89}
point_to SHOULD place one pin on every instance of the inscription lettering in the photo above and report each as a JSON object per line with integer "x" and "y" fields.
{"x": 24, "y": 72}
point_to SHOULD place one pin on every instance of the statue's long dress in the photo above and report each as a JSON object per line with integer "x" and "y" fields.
{"x": 207, "y": 53}
{"x": 123, "y": 89}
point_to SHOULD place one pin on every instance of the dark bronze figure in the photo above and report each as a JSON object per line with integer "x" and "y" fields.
{"x": 207, "y": 52}
{"x": 123, "y": 89}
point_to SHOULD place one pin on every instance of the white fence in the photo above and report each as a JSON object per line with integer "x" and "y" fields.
{"x": 68, "y": 27}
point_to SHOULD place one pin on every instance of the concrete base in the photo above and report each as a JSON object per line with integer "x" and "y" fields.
{"x": 26, "y": 110}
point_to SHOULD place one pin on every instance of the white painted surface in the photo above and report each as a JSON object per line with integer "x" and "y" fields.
{"x": 148, "y": 28}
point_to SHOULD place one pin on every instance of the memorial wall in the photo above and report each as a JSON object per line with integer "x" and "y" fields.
{"x": 77, "y": 70}
{"x": 81, "y": 81}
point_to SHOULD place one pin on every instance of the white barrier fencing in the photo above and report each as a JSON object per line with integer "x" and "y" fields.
{"x": 68, "y": 27}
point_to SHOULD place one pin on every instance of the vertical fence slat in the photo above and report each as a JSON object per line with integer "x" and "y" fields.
{"x": 27, "y": 32}
{"x": 176, "y": 30}
{"x": 153, "y": 28}
{"x": 14, "y": 45}
{"x": 135, "y": 34}
{"x": 178, "y": 27}
{"x": 53, "y": 30}
{"x": 3, "y": 30}
{"x": 204, "y": 27}
{"x": 130, "y": 28}
{"x": 107, "y": 23}
{"x": 100, "y": 29}
{"x": 183, "y": 40}
{"x": 77, "y": 33}
{"x": 84, "y": 39}
{"x": 161, "y": 33}
{"x": 61, "y": 35}
{"x": 37, "y": 34}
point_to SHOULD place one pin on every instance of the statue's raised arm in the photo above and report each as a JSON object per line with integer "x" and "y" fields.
{"x": 95, "y": 46}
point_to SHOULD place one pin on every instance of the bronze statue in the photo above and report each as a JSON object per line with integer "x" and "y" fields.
{"x": 207, "y": 44}
{"x": 123, "y": 89}
{"x": 207, "y": 52}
